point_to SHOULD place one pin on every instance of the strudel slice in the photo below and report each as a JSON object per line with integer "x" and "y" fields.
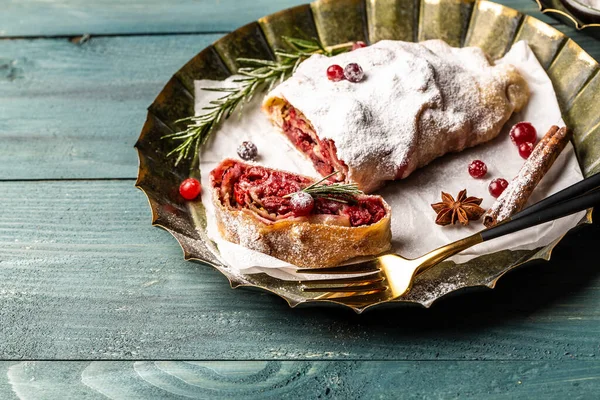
{"x": 252, "y": 210}
{"x": 417, "y": 102}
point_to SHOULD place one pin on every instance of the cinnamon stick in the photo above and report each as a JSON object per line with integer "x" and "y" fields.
{"x": 514, "y": 197}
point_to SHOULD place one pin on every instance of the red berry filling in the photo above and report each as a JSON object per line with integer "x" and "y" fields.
{"x": 263, "y": 191}
{"x": 477, "y": 169}
{"x": 322, "y": 153}
{"x": 335, "y": 73}
{"x": 497, "y": 186}
{"x": 190, "y": 189}
{"x": 523, "y": 132}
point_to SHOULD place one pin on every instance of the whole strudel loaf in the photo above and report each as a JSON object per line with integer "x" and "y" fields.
{"x": 417, "y": 102}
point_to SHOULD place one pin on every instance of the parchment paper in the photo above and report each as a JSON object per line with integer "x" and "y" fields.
{"x": 413, "y": 228}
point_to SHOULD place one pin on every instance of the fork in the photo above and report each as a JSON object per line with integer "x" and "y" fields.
{"x": 390, "y": 276}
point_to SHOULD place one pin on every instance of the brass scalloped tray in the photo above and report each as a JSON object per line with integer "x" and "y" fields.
{"x": 490, "y": 26}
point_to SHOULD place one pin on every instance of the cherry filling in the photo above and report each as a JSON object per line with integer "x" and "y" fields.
{"x": 262, "y": 190}
{"x": 322, "y": 152}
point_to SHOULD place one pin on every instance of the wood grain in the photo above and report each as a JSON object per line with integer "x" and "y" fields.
{"x": 75, "y": 111}
{"x": 43, "y": 380}
{"x": 77, "y": 17}
{"x": 84, "y": 276}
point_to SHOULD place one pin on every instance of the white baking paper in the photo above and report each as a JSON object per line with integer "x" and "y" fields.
{"x": 413, "y": 228}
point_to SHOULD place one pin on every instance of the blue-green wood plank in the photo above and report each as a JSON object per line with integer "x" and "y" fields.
{"x": 46, "y": 380}
{"x": 75, "y": 111}
{"x": 76, "y": 17}
{"x": 83, "y": 275}
{"x": 6, "y": 391}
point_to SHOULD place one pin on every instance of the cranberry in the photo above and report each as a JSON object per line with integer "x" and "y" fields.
{"x": 497, "y": 186}
{"x": 190, "y": 189}
{"x": 523, "y": 132}
{"x": 302, "y": 203}
{"x": 335, "y": 73}
{"x": 354, "y": 72}
{"x": 358, "y": 45}
{"x": 247, "y": 151}
{"x": 477, "y": 169}
{"x": 525, "y": 150}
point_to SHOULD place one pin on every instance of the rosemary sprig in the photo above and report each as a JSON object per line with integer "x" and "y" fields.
{"x": 257, "y": 76}
{"x": 340, "y": 192}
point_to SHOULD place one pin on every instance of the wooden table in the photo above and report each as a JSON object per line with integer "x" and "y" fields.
{"x": 91, "y": 296}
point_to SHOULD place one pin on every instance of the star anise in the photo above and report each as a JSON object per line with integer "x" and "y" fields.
{"x": 463, "y": 209}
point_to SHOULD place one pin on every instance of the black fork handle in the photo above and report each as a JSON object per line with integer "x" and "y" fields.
{"x": 581, "y": 187}
{"x": 542, "y": 215}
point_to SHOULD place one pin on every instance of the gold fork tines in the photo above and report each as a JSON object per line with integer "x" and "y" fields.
{"x": 389, "y": 276}
{"x": 348, "y": 285}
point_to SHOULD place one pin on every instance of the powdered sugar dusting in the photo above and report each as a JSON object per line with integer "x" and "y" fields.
{"x": 301, "y": 200}
{"x": 516, "y": 187}
{"x": 389, "y": 124}
{"x": 433, "y": 289}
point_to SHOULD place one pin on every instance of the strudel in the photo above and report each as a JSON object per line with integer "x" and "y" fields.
{"x": 254, "y": 208}
{"x": 417, "y": 102}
